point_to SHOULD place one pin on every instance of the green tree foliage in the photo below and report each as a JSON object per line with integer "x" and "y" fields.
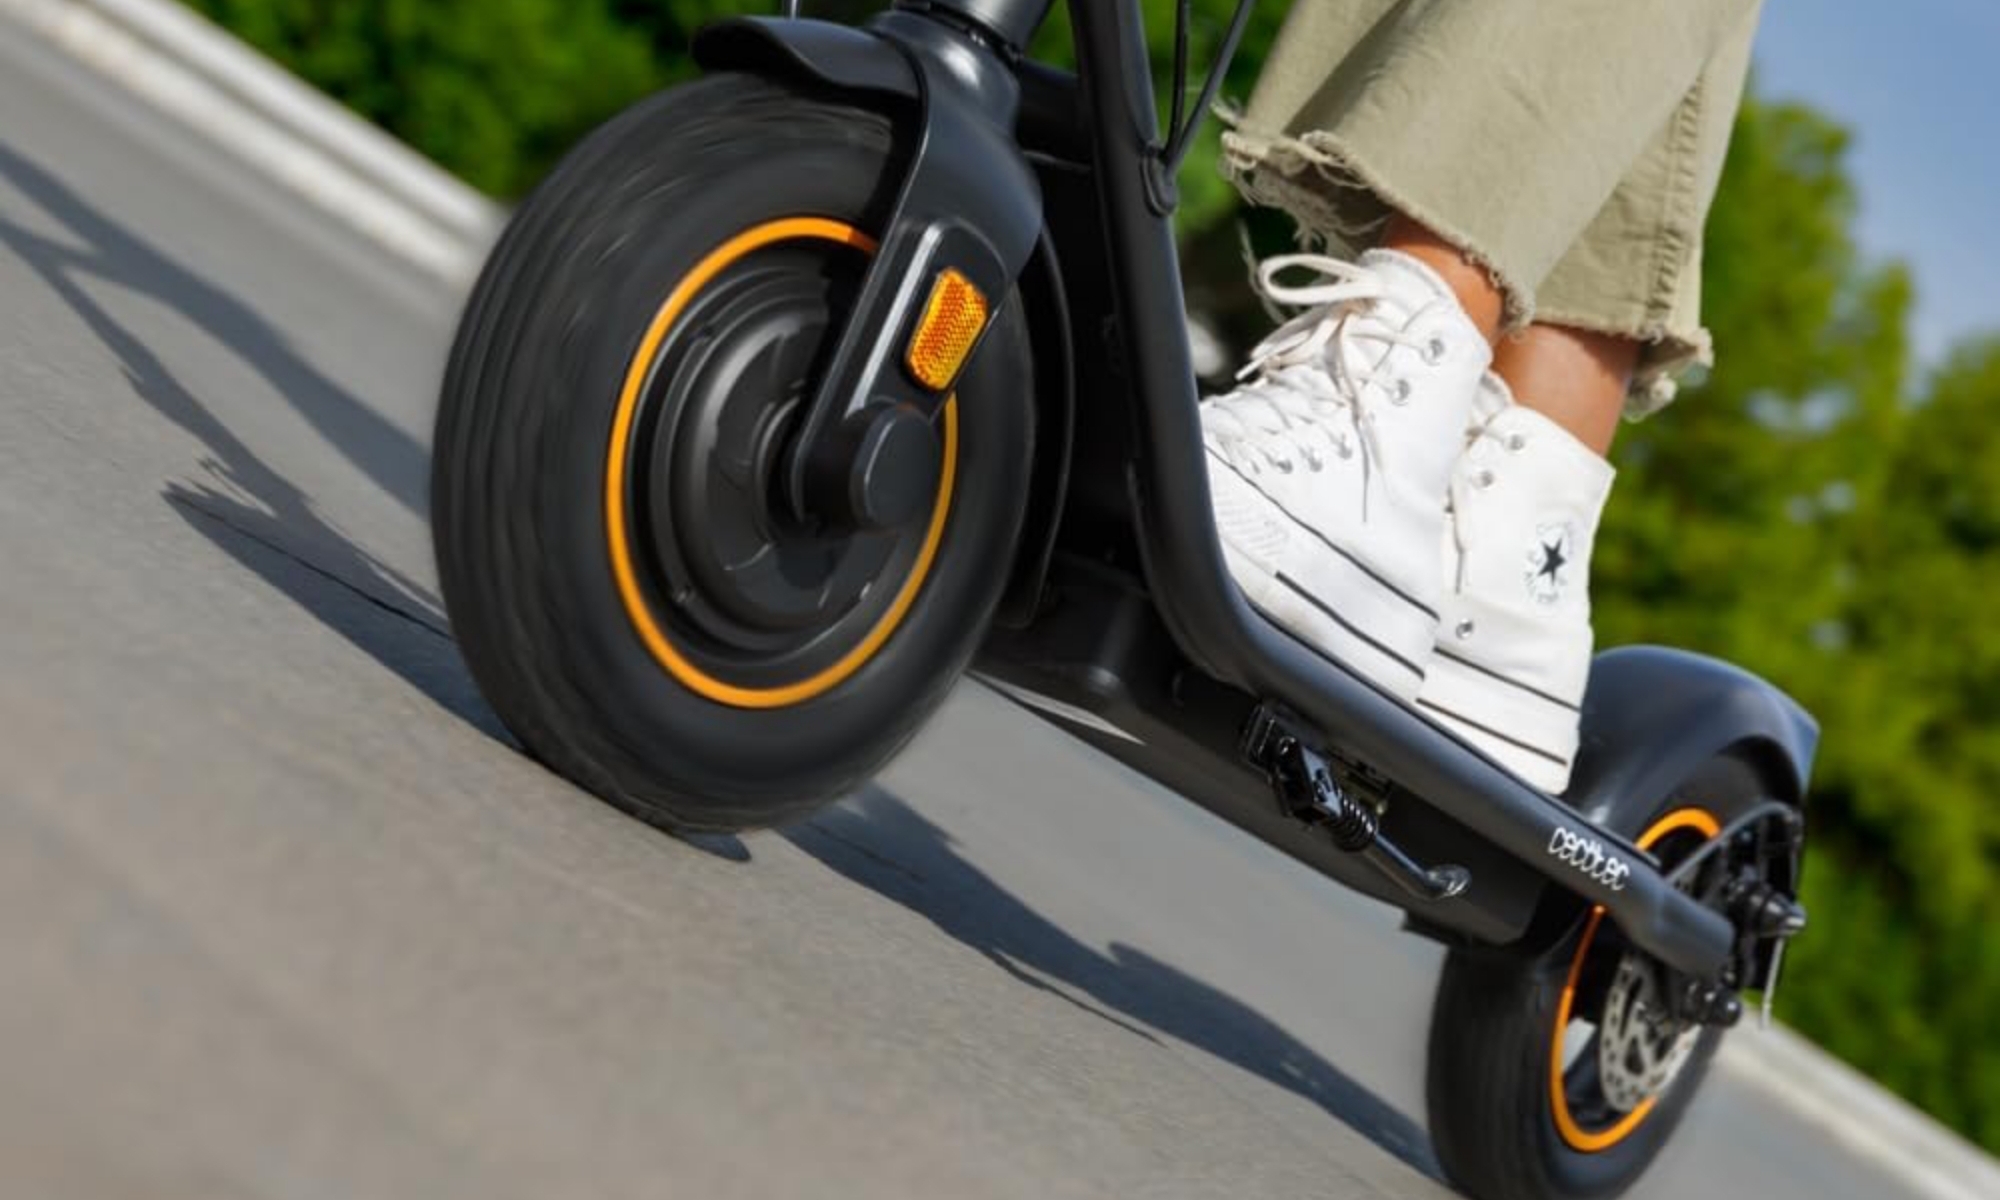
{"x": 1799, "y": 512}
{"x": 1905, "y": 977}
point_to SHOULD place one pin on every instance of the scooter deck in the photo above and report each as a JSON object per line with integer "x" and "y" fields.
{"x": 1100, "y": 665}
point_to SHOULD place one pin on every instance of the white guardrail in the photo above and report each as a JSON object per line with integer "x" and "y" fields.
{"x": 187, "y": 67}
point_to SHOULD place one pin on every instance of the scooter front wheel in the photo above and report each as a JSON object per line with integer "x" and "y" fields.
{"x": 633, "y": 594}
{"x": 1563, "y": 1076}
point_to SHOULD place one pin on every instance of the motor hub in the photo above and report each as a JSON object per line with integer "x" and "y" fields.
{"x": 752, "y": 591}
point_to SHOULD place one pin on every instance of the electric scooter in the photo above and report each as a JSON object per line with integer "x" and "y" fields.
{"x": 799, "y": 392}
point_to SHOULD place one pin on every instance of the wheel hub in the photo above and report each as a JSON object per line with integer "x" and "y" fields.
{"x": 751, "y": 591}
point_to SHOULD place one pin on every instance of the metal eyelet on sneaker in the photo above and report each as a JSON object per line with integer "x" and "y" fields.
{"x": 1516, "y": 442}
{"x": 1401, "y": 394}
{"x": 1463, "y": 631}
{"x": 1314, "y": 462}
{"x": 1434, "y": 351}
{"x": 1284, "y": 465}
{"x": 1484, "y": 479}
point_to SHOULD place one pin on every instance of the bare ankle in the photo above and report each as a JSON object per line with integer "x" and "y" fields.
{"x": 1575, "y": 377}
{"x": 1474, "y": 286}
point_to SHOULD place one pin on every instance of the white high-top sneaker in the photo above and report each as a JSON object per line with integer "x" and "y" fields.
{"x": 1329, "y": 467}
{"x": 1513, "y": 647}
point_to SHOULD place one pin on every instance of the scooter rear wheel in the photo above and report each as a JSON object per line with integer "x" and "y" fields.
{"x": 1551, "y": 1078}
{"x": 635, "y": 599}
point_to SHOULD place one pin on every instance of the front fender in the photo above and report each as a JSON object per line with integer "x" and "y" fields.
{"x": 966, "y": 206}
{"x": 1652, "y": 716}
{"x": 839, "y": 56}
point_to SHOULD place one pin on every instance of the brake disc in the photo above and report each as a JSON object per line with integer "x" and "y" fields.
{"x": 1641, "y": 1046}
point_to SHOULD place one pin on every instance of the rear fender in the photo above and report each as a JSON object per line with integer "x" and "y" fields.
{"x": 1652, "y": 718}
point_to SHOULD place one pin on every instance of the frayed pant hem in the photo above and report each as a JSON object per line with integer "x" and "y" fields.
{"x": 1338, "y": 200}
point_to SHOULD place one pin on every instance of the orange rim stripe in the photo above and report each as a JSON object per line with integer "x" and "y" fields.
{"x": 617, "y": 528}
{"x": 1577, "y": 1137}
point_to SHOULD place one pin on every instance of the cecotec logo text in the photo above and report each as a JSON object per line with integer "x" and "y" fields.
{"x": 1589, "y": 857}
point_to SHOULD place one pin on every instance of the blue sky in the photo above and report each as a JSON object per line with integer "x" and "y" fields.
{"x": 1918, "y": 81}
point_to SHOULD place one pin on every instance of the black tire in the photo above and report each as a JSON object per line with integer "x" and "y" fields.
{"x": 1490, "y": 1095}
{"x": 545, "y": 358}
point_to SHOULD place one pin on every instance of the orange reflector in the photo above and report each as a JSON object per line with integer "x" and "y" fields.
{"x": 953, "y": 318}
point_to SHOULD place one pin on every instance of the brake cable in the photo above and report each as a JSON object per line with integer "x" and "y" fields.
{"x": 1182, "y": 125}
{"x": 1770, "y": 810}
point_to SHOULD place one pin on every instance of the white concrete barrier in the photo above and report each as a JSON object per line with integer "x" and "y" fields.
{"x": 1869, "y": 1122}
{"x": 293, "y": 134}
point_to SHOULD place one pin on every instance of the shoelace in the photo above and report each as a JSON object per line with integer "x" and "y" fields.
{"x": 1287, "y": 398}
{"x": 1481, "y": 434}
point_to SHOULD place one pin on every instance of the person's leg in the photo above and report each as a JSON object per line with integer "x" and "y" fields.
{"x": 1502, "y": 126}
{"x": 1475, "y": 288}
{"x": 1491, "y": 133}
{"x": 1513, "y": 653}
{"x": 1635, "y": 272}
{"x": 1555, "y": 152}
{"x": 1578, "y": 378}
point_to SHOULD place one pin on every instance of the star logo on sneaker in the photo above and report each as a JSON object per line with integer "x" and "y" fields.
{"x": 1548, "y": 561}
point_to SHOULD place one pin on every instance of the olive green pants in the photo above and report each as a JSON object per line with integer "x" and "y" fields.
{"x": 1571, "y": 146}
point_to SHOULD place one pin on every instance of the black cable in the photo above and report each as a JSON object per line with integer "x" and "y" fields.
{"x": 1183, "y": 138}
{"x": 1183, "y": 17}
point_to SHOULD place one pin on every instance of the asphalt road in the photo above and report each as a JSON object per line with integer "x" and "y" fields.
{"x": 283, "y": 914}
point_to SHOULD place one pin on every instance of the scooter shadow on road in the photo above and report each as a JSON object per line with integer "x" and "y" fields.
{"x": 250, "y": 511}
{"x": 395, "y": 461}
{"x": 879, "y": 842}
